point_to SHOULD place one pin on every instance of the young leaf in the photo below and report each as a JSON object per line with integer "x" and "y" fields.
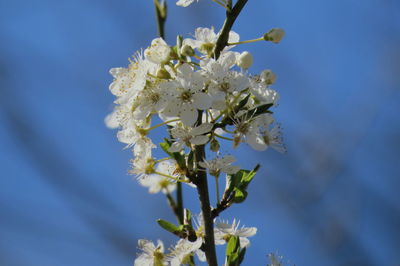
{"x": 232, "y": 251}
{"x": 233, "y": 245}
{"x": 168, "y": 226}
{"x": 239, "y": 195}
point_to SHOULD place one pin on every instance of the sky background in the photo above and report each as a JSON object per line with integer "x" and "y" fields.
{"x": 66, "y": 197}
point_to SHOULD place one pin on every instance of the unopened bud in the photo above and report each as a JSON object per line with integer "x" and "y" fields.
{"x": 162, "y": 73}
{"x": 244, "y": 60}
{"x": 268, "y": 77}
{"x": 214, "y": 145}
{"x": 187, "y": 50}
{"x": 275, "y": 35}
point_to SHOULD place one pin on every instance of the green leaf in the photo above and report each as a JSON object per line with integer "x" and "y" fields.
{"x": 239, "y": 195}
{"x": 232, "y": 250}
{"x": 168, "y": 226}
{"x": 247, "y": 176}
{"x": 232, "y": 245}
{"x": 239, "y": 182}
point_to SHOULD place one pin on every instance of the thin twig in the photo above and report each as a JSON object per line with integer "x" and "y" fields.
{"x": 161, "y": 13}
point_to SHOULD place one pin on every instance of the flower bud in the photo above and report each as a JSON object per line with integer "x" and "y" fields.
{"x": 214, "y": 145}
{"x": 244, "y": 60}
{"x": 268, "y": 77}
{"x": 187, "y": 50}
{"x": 162, "y": 73}
{"x": 275, "y": 35}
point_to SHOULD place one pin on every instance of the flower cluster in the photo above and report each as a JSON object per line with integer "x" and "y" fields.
{"x": 201, "y": 99}
{"x": 198, "y": 97}
{"x": 182, "y": 252}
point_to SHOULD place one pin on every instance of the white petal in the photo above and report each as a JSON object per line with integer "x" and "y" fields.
{"x": 202, "y": 129}
{"x": 233, "y": 37}
{"x": 219, "y": 105}
{"x": 202, "y": 100}
{"x": 188, "y": 114}
{"x": 176, "y": 146}
{"x": 111, "y": 120}
{"x": 246, "y": 231}
{"x": 228, "y": 159}
{"x": 231, "y": 169}
{"x": 257, "y": 143}
{"x": 199, "y": 140}
{"x": 178, "y": 132}
{"x": 172, "y": 109}
{"x": 184, "y": 3}
{"x": 244, "y": 242}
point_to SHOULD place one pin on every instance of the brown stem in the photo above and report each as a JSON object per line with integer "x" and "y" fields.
{"x": 231, "y": 15}
{"x": 202, "y": 190}
{"x": 200, "y": 178}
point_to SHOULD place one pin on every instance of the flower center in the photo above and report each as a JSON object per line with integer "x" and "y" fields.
{"x": 224, "y": 86}
{"x": 186, "y": 96}
{"x": 207, "y": 48}
{"x": 154, "y": 97}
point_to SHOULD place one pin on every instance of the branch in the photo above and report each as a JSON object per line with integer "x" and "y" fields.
{"x": 200, "y": 180}
{"x": 223, "y": 37}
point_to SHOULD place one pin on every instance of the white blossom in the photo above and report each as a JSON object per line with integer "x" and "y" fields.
{"x": 257, "y": 133}
{"x": 263, "y": 94}
{"x": 129, "y": 81}
{"x": 187, "y": 136}
{"x": 151, "y": 255}
{"x": 205, "y": 39}
{"x": 223, "y": 83}
{"x": 156, "y": 182}
{"x": 224, "y": 230}
{"x": 158, "y": 52}
{"x": 132, "y": 132}
{"x": 218, "y": 165}
{"x": 142, "y": 167}
{"x": 183, "y": 250}
{"x": 152, "y": 99}
{"x": 186, "y": 96}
